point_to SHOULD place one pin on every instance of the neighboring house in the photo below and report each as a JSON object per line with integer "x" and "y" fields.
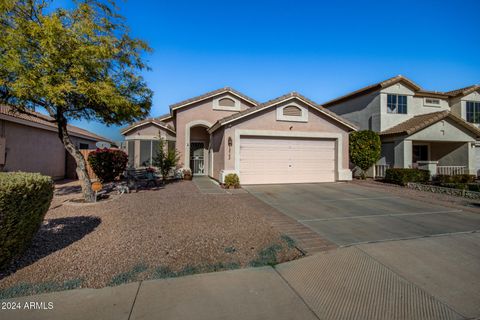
{"x": 418, "y": 128}
{"x": 30, "y": 142}
{"x": 286, "y": 140}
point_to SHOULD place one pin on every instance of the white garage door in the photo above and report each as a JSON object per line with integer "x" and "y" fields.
{"x": 286, "y": 160}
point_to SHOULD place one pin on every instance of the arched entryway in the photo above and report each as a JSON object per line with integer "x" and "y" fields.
{"x": 196, "y": 151}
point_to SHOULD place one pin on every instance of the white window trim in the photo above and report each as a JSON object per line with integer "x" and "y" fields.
{"x": 396, "y": 104}
{"x": 425, "y": 103}
{"x": 217, "y": 106}
{"x": 302, "y": 118}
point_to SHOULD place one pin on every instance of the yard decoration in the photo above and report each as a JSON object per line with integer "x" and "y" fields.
{"x": 108, "y": 164}
{"x": 75, "y": 63}
{"x": 24, "y": 201}
{"x": 187, "y": 174}
{"x": 365, "y": 147}
{"x": 166, "y": 159}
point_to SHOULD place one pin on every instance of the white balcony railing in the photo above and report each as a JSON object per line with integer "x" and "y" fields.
{"x": 380, "y": 170}
{"x": 451, "y": 170}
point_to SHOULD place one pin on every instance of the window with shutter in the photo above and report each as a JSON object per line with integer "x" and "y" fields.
{"x": 292, "y": 111}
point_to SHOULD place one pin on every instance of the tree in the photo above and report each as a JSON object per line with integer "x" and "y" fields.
{"x": 365, "y": 147}
{"x": 165, "y": 159}
{"x": 79, "y": 63}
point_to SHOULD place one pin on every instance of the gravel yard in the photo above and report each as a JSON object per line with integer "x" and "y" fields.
{"x": 150, "y": 234}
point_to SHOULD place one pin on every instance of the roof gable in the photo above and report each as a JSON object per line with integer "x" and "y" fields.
{"x": 420, "y": 122}
{"x": 374, "y": 87}
{"x": 213, "y": 94}
{"x": 277, "y": 101}
{"x": 152, "y": 121}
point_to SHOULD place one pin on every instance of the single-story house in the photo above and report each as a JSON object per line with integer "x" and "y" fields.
{"x": 30, "y": 143}
{"x": 290, "y": 139}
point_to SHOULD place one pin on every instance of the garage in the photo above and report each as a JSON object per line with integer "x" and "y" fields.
{"x": 270, "y": 160}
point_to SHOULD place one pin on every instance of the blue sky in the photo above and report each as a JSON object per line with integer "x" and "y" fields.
{"x": 320, "y": 49}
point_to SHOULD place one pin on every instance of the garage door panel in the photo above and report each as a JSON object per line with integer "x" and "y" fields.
{"x": 277, "y": 160}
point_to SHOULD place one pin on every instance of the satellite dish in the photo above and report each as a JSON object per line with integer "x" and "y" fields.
{"x": 103, "y": 144}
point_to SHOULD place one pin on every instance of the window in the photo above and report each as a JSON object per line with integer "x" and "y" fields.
{"x": 473, "y": 112}
{"x": 419, "y": 153}
{"x": 292, "y": 111}
{"x": 431, "y": 102}
{"x": 226, "y": 102}
{"x": 396, "y": 104}
{"x": 83, "y": 146}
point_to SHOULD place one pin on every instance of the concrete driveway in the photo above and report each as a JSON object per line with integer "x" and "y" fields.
{"x": 348, "y": 214}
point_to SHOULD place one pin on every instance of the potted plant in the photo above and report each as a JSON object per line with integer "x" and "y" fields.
{"x": 187, "y": 174}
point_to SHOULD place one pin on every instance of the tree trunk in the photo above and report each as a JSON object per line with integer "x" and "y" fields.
{"x": 81, "y": 169}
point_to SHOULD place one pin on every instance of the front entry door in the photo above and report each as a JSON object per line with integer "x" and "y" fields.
{"x": 197, "y": 155}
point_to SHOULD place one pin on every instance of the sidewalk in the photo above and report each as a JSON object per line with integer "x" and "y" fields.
{"x": 428, "y": 278}
{"x": 258, "y": 293}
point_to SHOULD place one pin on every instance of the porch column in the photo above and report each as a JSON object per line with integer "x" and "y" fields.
{"x": 136, "y": 159}
{"x": 403, "y": 154}
{"x": 471, "y": 158}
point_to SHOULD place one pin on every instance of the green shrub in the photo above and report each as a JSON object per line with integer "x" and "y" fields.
{"x": 24, "y": 201}
{"x": 364, "y": 148}
{"x": 402, "y": 176}
{"x": 459, "y": 178}
{"x": 232, "y": 180}
{"x": 108, "y": 163}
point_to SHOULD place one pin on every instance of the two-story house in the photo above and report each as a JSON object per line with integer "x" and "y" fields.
{"x": 438, "y": 131}
{"x": 290, "y": 139}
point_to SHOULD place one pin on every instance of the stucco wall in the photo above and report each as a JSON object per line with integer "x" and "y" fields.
{"x": 444, "y": 130}
{"x": 364, "y": 111}
{"x": 36, "y": 150}
{"x": 149, "y": 131}
{"x": 449, "y": 153}
{"x": 201, "y": 113}
{"x": 266, "y": 120}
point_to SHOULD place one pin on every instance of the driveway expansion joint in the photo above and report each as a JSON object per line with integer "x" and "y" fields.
{"x": 134, "y": 300}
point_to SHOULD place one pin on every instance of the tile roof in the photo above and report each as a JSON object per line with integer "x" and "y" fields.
{"x": 386, "y": 83}
{"x": 212, "y": 94}
{"x": 422, "y": 121}
{"x": 371, "y": 88}
{"x": 39, "y": 118}
{"x": 464, "y": 90}
{"x": 146, "y": 121}
{"x": 273, "y": 102}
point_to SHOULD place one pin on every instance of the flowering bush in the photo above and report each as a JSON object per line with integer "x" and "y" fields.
{"x": 108, "y": 163}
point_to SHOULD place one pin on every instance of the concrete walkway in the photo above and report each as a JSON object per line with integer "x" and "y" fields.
{"x": 429, "y": 278}
{"x": 210, "y": 186}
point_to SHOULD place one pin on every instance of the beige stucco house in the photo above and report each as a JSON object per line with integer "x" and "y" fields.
{"x": 289, "y": 139}
{"x": 434, "y": 130}
{"x": 30, "y": 143}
